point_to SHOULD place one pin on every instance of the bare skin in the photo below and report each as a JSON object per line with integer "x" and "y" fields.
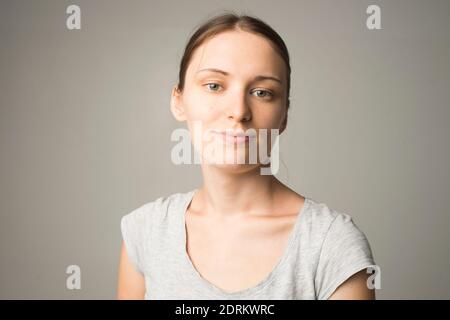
{"x": 131, "y": 283}
{"x": 239, "y": 221}
{"x": 235, "y": 253}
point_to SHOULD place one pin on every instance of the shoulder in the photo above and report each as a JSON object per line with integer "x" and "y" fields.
{"x": 153, "y": 211}
{"x": 321, "y": 218}
{"x": 141, "y": 223}
{"x": 342, "y": 247}
{"x": 334, "y": 236}
{"x": 337, "y": 227}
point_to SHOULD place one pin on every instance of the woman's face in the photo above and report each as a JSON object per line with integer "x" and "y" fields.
{"x": 235, "y": 81}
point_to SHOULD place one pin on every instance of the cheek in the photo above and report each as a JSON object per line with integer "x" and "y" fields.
{"x": 199, "y": 107}
{"x": 271, "y": 117}
{"x": 202, "y": 114}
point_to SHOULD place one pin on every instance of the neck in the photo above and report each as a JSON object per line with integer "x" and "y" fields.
{"x": 226, "y": 194}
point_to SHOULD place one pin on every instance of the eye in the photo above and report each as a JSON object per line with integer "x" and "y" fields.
{"x": 212, "y": 86}
{"x": 263, "y": 93}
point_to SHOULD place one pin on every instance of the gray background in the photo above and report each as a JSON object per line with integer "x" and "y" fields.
{"x": 85, "y": 131}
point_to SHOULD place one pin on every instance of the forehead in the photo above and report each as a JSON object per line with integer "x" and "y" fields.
{"x": 240, "y": 53}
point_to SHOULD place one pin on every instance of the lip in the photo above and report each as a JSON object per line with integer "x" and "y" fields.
{"x": 231, "y": 136}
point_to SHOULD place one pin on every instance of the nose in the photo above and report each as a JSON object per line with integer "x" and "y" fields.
{"x": 239, "y": 109}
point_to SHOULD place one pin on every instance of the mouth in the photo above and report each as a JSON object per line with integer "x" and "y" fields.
{"x": 230, "y": 136}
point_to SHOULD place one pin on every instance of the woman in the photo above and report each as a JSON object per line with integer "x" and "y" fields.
{"x": 243, "y": 234}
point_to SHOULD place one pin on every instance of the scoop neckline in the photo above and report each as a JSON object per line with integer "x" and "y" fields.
{"x": 266, "y": 280}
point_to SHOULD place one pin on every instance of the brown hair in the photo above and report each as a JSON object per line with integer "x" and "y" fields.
{"x": 231, "y": 21}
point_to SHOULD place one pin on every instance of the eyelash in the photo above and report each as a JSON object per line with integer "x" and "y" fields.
{"x": 270, "y": 94}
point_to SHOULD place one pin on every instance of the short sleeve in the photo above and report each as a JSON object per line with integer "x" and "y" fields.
{"x": 132, "y": 238}
{"x": 345, "y": 251}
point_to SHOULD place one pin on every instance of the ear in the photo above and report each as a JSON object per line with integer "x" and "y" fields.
{"x": 176, "y": 105}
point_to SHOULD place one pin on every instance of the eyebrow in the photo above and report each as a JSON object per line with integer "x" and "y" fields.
{"x": 257, "y": 78}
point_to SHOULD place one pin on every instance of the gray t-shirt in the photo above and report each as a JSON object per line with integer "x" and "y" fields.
{"x": 324, "y": 249}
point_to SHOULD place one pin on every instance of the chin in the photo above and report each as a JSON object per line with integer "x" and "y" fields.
{"x": 236, "y": 168}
